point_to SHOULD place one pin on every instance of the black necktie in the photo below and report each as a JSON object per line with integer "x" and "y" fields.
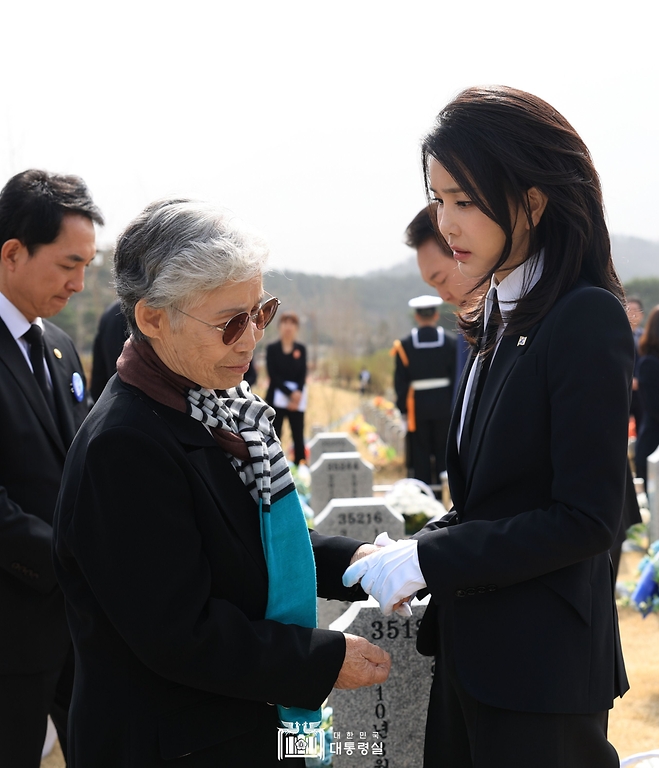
{"x": 34, "y": 338}
{"x": 483, "y": 362}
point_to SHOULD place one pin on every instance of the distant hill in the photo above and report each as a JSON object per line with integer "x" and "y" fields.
{"x": 635, "y": 257}
{"x": 406, "y": 267}
{"x": 350, "y": 315}
{"x": 353, "y": 315}
{"x": 358, "y": 315}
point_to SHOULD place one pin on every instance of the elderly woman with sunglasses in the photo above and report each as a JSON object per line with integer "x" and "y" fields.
{"x": 180, "y": 544}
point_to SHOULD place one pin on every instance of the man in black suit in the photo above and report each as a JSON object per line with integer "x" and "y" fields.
{"x": 439, "y": 269}
{"x": 47, "y": 239}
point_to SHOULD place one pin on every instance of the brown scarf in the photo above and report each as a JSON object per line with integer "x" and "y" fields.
{"x": 140, "y": 367}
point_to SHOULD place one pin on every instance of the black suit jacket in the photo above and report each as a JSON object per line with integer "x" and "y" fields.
{"x": 159, "y": 555}
{"x": 520, "y": 569}
{"x": 282, "y": 368}
{"x": 33, "y": 632}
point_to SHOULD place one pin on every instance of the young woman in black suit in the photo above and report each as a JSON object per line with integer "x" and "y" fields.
{"x": 522, "y": 617}
{"x": 648, "y": 389}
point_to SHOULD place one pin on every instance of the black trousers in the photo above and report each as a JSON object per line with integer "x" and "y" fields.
{"x": 296, "y": 422}
{"x": 428, "y": 449}
{"x": 25, "y": 703}
{"x": 464, "y": 733}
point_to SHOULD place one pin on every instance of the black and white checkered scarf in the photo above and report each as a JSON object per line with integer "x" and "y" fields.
{"x": 238, "y": 410}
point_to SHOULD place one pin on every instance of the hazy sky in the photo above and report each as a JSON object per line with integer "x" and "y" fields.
{"x": 305, "y": 117}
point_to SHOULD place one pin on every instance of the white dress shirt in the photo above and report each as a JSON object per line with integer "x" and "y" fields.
{"x": 18, "y": 324}
{"x": 509, "y": 291}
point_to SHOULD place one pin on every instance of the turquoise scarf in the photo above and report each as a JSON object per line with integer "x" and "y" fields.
{"x": 286, "y": 544}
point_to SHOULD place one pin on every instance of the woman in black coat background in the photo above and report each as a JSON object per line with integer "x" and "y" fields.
{"x": 286, "y": 360}
{"x": 648, "y": 389}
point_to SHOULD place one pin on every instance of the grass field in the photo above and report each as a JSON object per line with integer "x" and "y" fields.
{"x": 634, "y": 721}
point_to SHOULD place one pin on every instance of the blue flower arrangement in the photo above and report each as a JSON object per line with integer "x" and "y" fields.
{"x": 645, "y": 596}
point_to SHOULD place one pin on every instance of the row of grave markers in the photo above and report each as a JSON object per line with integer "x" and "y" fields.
{"x": 380, "y": 726}
{"x": 389, "y": 427}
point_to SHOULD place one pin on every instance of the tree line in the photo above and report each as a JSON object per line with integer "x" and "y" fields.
{"x": 345, "y": 322}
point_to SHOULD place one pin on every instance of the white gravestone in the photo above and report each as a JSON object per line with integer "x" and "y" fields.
{"x": 361, "y": 519}
{"x": 384, "y": 725}
{"x": 339, "y": 476}
{"x": 652, "y": 491}
{"x": 329, "y": 442}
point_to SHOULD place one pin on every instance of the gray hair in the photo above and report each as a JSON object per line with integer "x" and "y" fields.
{"x": 176, "y": 251}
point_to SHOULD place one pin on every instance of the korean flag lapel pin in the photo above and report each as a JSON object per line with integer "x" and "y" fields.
{"x": 521, "y": 341}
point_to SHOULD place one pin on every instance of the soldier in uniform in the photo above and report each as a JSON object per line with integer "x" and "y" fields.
{"x": 423, "y": 379}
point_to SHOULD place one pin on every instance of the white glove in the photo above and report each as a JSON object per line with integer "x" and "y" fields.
{"x": 383, "y": 540}
{"x": 404, "y": 610}
{"x": 390, "y": 575}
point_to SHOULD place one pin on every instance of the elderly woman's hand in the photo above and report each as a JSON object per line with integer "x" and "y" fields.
{"x": 364, "y": 664}
{"x": 363, "y": 551}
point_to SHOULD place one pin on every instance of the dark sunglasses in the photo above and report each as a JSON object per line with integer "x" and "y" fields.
{"x": 233, "y": 329}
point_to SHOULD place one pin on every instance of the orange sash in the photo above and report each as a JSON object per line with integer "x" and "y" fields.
{"x": 399, "y": 350}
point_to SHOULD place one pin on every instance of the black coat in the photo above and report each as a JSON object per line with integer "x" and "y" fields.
{"x": 33, "y": 633}
{"x": 520, "y": 569}
{"x": 648, "y": 390}
{"x": 159, "y": 555}
{"x": 110, "y": 339}
{"x": 282, "y": 367}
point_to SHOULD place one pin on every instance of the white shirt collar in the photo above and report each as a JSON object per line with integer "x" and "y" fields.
{"x": 514, "y": 285}
{"x": 509, "y": 291}
{"x": 14, "y": 319}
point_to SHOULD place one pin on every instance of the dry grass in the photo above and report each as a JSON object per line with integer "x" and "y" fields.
{"x": 634, "y": 721}
{"x": 55, "y": 759}
{"x": 329, "y": 409}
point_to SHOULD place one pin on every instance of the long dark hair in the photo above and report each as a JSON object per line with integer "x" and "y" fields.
{"x": 497, "y": 143}
{"x": 648, "y": 344}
